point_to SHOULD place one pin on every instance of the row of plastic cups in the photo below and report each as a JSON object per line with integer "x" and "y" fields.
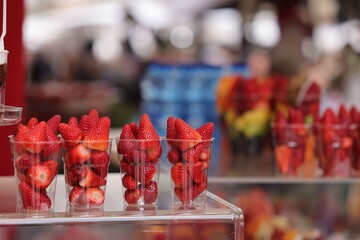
{"x": 86, "y": 168}
{"x": 318, "y": 150}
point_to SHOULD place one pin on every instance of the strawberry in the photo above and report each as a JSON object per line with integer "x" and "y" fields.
{"x": 53, "y": 143}
{"x": 193, "y": 154}
{"x": 138, "y": 157}
{"x": 329, "y": 117}
{"x": 75, "y": 193}
{"x": 25, "y": 161}
{"x": 198, "y": 189}
{"x": 190, "y": 194}
{"x": 21, "y": 176}
{"x": 174, "y": 155}
{"x": 151, "y": 192}
{"x": 93, "y": 115}
{"x": 93, "y": 196}
{"x": 33, "y": 199}
{"x": 283, "y": 158}
{"x": 147, "y": 132}
{"x": 53, "y": 123}
{"x": 354, "y": 115}
{"x": 126, "y": 142}
{"x": 77, "y": 155}
{"x": 53, "y": 166}
{"x": 197, "y": 172}
{"x": 72, "y": 135}
{"x": 39, "y": 176}
{"x": 180, "y": 176}
{"x": 134, "y": 128}
{"x": 154, "y": 154}
{"x": 32, "y": 123}
{"x": 132, "y": 196}
{"x": 34, "y": 139}
{"x": 73, "y": 174}
{"x": 171, "y": 131}
{"x": 20, "y": 132}
{"x": 186, "y": 133}
{"x": 142, "y": 173}
{"x": 205, "y": 155}
{"x": 98, "y": 136}
{"x": 73, "y": 122}
{"x": 100, "y": 162}
{"x": 85, "y": 124}
{"x": 92, "y": 180}
{"x": 124, "y": 166}
{"x": 206, "y": 130}
{"x": 344, "y": 115}
{"x": 129, "y": 182}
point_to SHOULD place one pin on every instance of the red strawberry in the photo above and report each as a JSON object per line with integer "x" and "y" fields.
{"x": 296, "y": 116}
{"x": 53, "y": 143}
{"x": 180, "y": 176}
{"x": 344, "y": 115}
{"x": 154, "y": 154}
{"x": 98, "y": 136}
{"x": 25, "y": 161}
{"x": 329, "y": 117}
{"x": 93, "y": 196}
{"x": 174, "y": 155}
{"x": 73, "y": 122}
{"x": 198, "y": 189}
{"x": 21, "y": 176}
{"x": 142, "y": 173}
{"x": 206, "y": 130}
{"x": 39, "y": 176}
{"x": 171, "y": 131}
{"x": 93, "y": 115}
{"x": 185, "y": 132}
{"x": 283, "y": 158}
{"x": 138, "y": 157}
{"x": 34, "y": 139}
{"x": 77, "y": 155}
{"x": 189, "y": 194}
{"x": 129, "y": 182}
{"x": 193, "y": 154}
{"x": 75, "y": 193}
{"x": 151, "y": 192}
{"x": 100, "y": 162}
{"x": 134, "y": 128}
{"x": 32, "y": 123}
{"x": 147, "y": 132}
{"x": 354, "y": 115}
{"x": 132, "y": 196}
{"x": 124, "y": 166}
{"x": 21, "y": 130}
{"x": 197, "y": 172}
{"x": 33, "y": 199}
{"x": 73, "y": 174}
{"x": 205, "y": 155}
{"x": 92, "y": 180}
{"x": 72, "y": 135}
{"x": 280, "y": 118}
{"x": 53, "y": 166}
{"x": 85, "y": 124}
{"x": 126, "y": 142}
{"x": 53, "y": 123}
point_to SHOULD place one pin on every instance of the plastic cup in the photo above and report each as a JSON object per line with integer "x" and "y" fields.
{"x": 86, "y": 169}
{"x": 188, "y": 172}
{"x": 139, "y": 168}
{"x": 294, "y": 150}
{"x": 35, "y": 167}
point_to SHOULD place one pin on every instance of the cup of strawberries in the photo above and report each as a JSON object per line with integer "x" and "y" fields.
{"x": 36, "y": 152}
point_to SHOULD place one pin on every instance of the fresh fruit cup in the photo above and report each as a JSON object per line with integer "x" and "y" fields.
{"x": 189, "y": 162}
{"x": 36, "y": 167}
{"x": 86, "y": 166}
{"x": 294, "y": 150}
{"x": 140, "y": 162}
{"x": 335, "y": 149}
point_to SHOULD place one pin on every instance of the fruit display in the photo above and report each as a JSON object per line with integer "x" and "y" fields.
{"x": 294, "y": 145}
{"x": 86, "y": 159}
{"x": 355, "y": 134}
{"x": 188, "y": 154}
{"x": 139, "y": 153}
{"x": 36, "y": 152}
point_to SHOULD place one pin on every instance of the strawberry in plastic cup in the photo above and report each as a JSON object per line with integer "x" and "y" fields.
{"x": 36, "y": 152}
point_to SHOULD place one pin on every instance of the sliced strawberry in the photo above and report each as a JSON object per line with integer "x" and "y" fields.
{"x": 32, "y": 123}
{"x": 53, "y": 123}
{"x": 100, "y": 162}
{"x": 138, "y": 157}
{"x": 127, "y": 141}
{"x": 154, "y": 154}
{"x": 53, "y": 166}
{"x": 39, "y": 176}
{"x": 72, "y": 135}
{"x": 98, "y": 136}
{"x": 206, "y": 130}
{"x": 186, "y": 133}
{"x": 129, "y": 182}
{"x": 34, "y": 140}
{"x": 73, "y": 174}
{"x": 93, "y": 196}
{"x": 174, "y": 155}
{"x": 73, "y": 122}
{"x": 142, "y": 173}
{"x": 77, "y": 155}
{"x": 283, "y": 158}
{"x": 92, "y": 180}
{"x": 205, "y": 155}
{"x": 197, "y": 172}
{"x": 33, "y": 199}
{"x": 171, "y": 131}
{"x": 179, "y": 176}
{"x": 193, "y": 154}
{"x": 53, "y": 143}
{"x": 25, "y": 161}
{"x": 147, "y": 133}
{"x": 75, "y": 193}
{"x": 134, "y": 128}
{"x": 151, "y": 192}
{"x": 132, "y": 196}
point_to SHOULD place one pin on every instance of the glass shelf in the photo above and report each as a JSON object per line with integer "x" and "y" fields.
{"x": 10, "y": 115}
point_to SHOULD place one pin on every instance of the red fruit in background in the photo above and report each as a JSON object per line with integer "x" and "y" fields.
{"x": 142, "y": 173}
{"x": 344, "y": 116}
{"x": 73, "y": 122}
{"x": 180, "y": 176}
{"x": 206, "y": 130}
{"x": 98, "y": 136}
{"x": 185, "y": 132}
{"x": 100, "y": 162}
{"x": 93, "y": 196}
{"x": 70, "y": 133}
{"x": 151, "y": 192}
{"x": 154, "y": 154}
{"x": 25, "y": 161}
{"x": 92, "y": 180}
{"x": 73, "y": 174}
{"x": 174, "y": 155}
{"x": 354, "y": 115}
{"x": 39, "y": 176}
{"x": 329, "y": 117}
{"x": 75, "y": 193}
{"x": 125, "y": 146}
{"x": 77, "y": 155}
{"x": 53, "y": 143}
{"x": 33, "y": 198}
{"x": 53, "y": 123}
{"x": 134, "y": 128}
{"x": 171, "y": 131}
{"x": 283, "y": 158}
{"x": 32, "y": 123}
{"x": 139, "y": 157}
{"x": 132, "y": 196}
{"x": 147, "y": 132}
{"x": 34, "y": 139}
{"x": 193, "y": 154}
{"x": 129, "y": 182}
